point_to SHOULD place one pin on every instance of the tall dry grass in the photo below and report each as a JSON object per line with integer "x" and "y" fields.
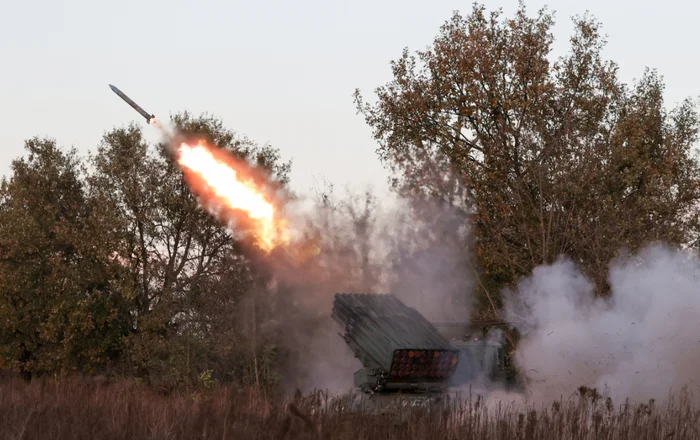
{"x": 85, "y": 409}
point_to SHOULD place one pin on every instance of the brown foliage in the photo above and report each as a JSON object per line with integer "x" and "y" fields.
{"x": 549, "y": 158}
{"x": 87, "y": 409}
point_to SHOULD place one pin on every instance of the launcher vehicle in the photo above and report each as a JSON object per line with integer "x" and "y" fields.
{"x": 403, "y": 353}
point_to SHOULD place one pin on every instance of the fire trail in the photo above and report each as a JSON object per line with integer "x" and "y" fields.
{"x": 220, "y": 180}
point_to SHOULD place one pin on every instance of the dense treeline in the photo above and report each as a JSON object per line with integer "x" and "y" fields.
{"x": 108, "y": 264}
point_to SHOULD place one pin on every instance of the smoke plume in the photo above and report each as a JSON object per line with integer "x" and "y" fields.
{"x": 642, "y": 343}
{"x": 364, "y": 245}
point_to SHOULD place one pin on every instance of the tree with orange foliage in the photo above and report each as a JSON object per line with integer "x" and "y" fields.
{"x": 543, "y": 158}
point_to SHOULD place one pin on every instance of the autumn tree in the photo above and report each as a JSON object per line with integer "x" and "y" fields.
{"x": 186, "y": 268}
{"x": 63, "y": 305}
{"x": 542, "y": 157}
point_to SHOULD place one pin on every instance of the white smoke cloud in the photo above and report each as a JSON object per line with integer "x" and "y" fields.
{"x": 429, "y": 254}
{"x": 642, "y": 343}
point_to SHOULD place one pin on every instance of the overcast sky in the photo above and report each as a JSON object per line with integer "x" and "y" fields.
{"x": 281, "y": 72}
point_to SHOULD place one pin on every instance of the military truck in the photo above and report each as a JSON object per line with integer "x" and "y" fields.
{"x": 406, "y": 360}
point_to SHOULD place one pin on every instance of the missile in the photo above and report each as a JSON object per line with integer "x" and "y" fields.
{"x": 142, "y": 112}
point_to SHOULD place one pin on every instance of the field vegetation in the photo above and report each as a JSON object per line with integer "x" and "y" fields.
{"x": 81, "y": 408}
{"x": 505, "y": 158}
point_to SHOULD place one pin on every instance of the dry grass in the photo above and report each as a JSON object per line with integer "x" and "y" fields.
{"x": 84, "y": 409}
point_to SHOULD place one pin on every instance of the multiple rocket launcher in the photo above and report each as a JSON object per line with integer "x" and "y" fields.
{"x": 398, "y": 347}
{"x": 401, "y": 351}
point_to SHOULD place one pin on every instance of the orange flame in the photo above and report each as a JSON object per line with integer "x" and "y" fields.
{"x": 229, "y": 190}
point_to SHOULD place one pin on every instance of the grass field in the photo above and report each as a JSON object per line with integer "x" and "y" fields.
{"x": 86, "y": 409}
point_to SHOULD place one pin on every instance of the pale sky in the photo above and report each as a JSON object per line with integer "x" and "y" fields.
{"x": 281, "y": 72}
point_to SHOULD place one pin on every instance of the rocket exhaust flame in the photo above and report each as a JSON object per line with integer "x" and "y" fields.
{"x": 216, "y": 178}
{"x": 219, "y": 176}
